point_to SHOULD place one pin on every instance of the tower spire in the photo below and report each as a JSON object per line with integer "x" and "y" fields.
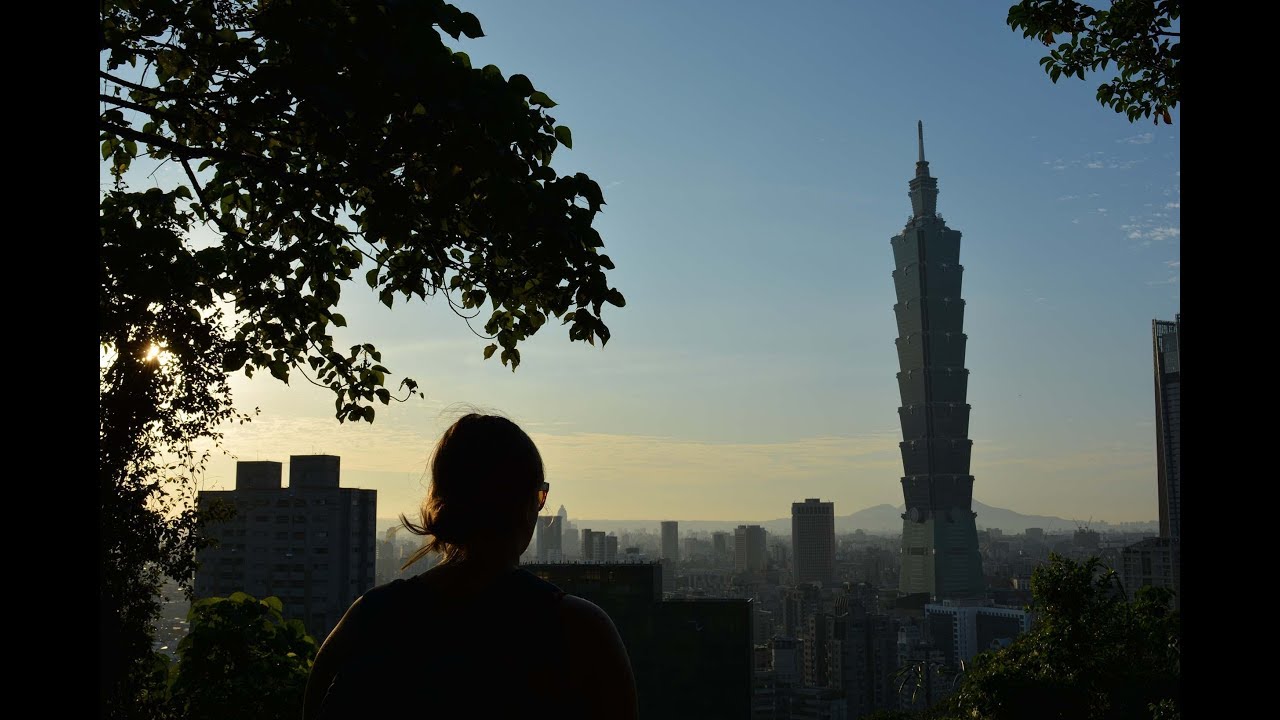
{"x": 924, "y": 188}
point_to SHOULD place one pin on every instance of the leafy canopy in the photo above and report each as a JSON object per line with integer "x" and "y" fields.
{"x": 324, "y": 144}
{"x": 241, "y": 658}
{"x": 1136, "y": 36}
{"x": 327, "y": 138}
{"x": 1094, "y": 653}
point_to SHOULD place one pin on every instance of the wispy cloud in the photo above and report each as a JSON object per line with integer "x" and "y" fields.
{"x": 1174, "y": 205}
{"x": 1093, "y": 161}
{"x": 1139, "y": 139}
{"x": 1170, "y": 281}
{"x": 614, "y": 184}
{"x": 1150, "y": 233}
{"x": 1068, "y": 197}
{"x": 1173, "y": 263}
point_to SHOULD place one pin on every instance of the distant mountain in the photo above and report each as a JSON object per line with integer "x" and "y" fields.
{"x": 887, "y": 519}
{"x": 877, "y": 520}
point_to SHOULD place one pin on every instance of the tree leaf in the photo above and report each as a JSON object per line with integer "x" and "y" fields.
{"x": 565, "y": 136}
{"x": 540, "y": 98}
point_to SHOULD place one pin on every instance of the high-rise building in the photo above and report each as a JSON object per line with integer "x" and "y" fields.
{"x": 813, "y": 537}
{"x": 963, "y": 632}
{"x": 921, "y": 682}
{"x": 939, "y": 534}
{"x": 550, "y": 538}
{"x": 720, "y": 545}
{"x": 312, "y": 544}
{"x": 598, "y": 546}
{"x": 611, "y": 548}
{"x": 587, "y": 554}
{"x": 820, "y": 644}
{"x": 798, "y": 604}
{"x": 787, "y": 660}
{"x": 671, "y": 540}
{"x": 867, "y": 655}
{"x": 691, "y": 658}
{"x": 1153, "y": 561}
{"x": 1165, "y": 337}
{"x": 750, "y": 549}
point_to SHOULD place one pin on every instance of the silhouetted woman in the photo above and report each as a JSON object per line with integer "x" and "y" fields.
{"x": 474, "y": 636}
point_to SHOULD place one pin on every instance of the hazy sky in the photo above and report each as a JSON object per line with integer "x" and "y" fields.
{"x": 755, "y": 160}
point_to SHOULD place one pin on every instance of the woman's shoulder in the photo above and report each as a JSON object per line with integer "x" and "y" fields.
{"x": 534, "y": 584}
{"x": 585, "y": 619}
{"x": 386, "y": 593}
{"x": 380, "y": 601}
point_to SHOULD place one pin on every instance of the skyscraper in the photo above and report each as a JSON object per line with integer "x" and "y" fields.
{"x": 598, "y": 546}
{"x": 939, "y": 535}
{"x": 311, "y": 544}
{"x": 670, "y": 540}
{"x": 751, "y": 553}
{"x": 813, "y": 533}
{"x": 720, "y": 545}
{"x": 1165, "y": 336}
{"x": 550, "y": 538}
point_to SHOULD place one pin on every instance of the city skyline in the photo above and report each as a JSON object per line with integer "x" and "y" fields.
{"x": 749, "y": 367}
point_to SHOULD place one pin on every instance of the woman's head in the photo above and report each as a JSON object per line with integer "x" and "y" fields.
{"x": 484, "y": 497}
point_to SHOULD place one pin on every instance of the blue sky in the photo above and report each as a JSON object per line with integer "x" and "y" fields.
{"x": 755, "y": 160}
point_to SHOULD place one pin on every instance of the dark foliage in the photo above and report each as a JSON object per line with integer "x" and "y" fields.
{"x": 1136, "y": 36}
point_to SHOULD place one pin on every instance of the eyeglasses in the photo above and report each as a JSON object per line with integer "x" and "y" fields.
{"x": 542, "y": 495}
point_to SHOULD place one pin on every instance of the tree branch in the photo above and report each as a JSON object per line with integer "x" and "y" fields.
{"x": 195, "y": 184}
{"x": 152, "y": 111}
{"x": 188, "y": 152}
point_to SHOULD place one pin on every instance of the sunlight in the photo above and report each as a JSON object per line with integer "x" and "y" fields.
{"x": 157, "y": 353}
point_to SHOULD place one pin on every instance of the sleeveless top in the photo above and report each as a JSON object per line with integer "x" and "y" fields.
{"x": 501, "y": 653}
